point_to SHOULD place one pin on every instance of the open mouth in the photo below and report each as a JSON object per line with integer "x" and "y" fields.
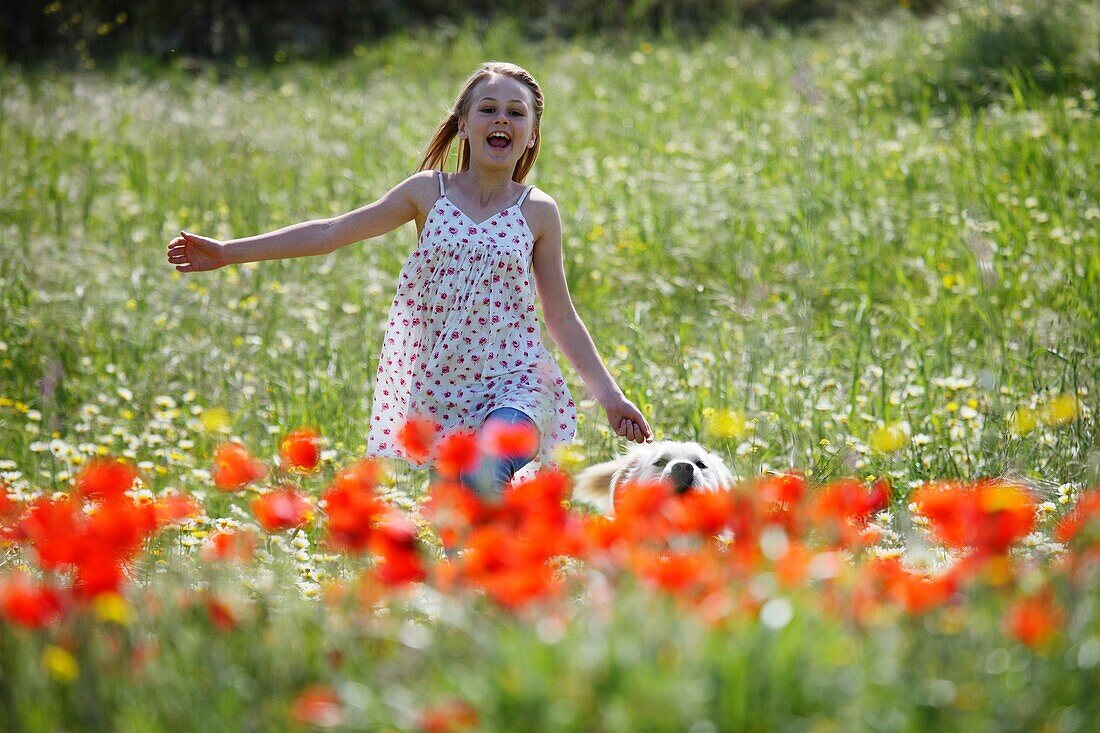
{"x": 499, "y": 140}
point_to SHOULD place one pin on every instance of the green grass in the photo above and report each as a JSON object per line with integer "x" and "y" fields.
{"x": 750, "y": 223}
{"x": 775, "y": 226}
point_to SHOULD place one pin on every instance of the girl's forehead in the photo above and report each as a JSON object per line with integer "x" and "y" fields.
{"x": 502, "y": 89}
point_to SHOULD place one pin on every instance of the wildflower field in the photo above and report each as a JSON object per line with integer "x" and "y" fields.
{"x": 860, "y": 263}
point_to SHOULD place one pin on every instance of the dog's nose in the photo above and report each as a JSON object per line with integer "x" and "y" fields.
{"x": 682, "y": 475}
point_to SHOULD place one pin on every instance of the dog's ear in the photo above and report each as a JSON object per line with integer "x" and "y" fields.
{"x": 725, "y": 475}
{"x": 628, "y": 468}
{"x": 593, "y": 485}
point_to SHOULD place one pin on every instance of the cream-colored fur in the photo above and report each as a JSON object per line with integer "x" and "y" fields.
{"x": 684, "y": 466}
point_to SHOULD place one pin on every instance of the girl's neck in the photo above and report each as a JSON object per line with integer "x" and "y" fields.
{"x": 483, "y": 186}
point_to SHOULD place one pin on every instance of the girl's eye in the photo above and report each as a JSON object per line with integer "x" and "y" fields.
{"x": 517, "y": 113}
{"x": 487, "y": 110}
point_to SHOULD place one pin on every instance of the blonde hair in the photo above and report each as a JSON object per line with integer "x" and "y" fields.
{"x": 439, "y": 147}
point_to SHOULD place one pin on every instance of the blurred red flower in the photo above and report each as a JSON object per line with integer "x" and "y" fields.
{"x": 219, "y": 612}
{"x": 683, "y": 572}
{"x": 453, "y": 510}
{"x": 519, "y": 440}
{"x": 301, "y": 449}
{"x": 229, "y": 545}
{"x": 1083, "y": 523}
{"x": 28, "y": 603}
{"x": 416, "y": 438}
{"x": 96, "y": 544}
{"x": 175, "y": 508}
{"x": 105, "y": 478}
{"x": 988, "y": 516}
{"x": 1034, "y": 620}
{"x": 282, "y": 508}
{"x": 452, "y": 716}
{"x": 234, "y": 467}
{"x": 395, "y": 544}
{"x": 352, "y": 506}
{"x": 456, "y": 455}
{"x": 317, "y": 705}
{"x": 914, "y": 593}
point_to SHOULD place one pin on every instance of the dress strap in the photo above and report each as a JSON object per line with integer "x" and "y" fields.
{"x": 523, "y": 196}
{"x": 441, "y": 191}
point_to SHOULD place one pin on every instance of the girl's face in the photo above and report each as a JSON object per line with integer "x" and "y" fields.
{"x": 500, "y": 122}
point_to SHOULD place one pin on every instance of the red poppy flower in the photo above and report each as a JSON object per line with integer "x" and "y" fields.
{"x": 416, "y": 438}
{"x": 48, "y": 526}
{"x": 28, "y": 603}
{"x": 301, "y": 449}
{"x": 105, "y": 478}
{"x": 220, "y": 613}
{"x": 988, "y": 516}
{"x": 848, "y": 499}
{"x": 504, "y": 440}
{"x": 363, "y": 475}
{"x": 675, "y": 572}
{"x": 317, "y": 705}
{"x": 453, "y": 509}
{"x": 1035, "y": 620}
{"x": 394, "y": 542}
{"x": 283, "y": 508}
{"x": 1083, "y": 523}
{"x": 175, "y": 508}
{"x": 914, "y": 593}
{"x": 786, "y": 489}
{"x": 234, "y": 467}
{"x": 352, "y": 514}
{"x": 229, "y": 545}
{"x": 117, "y": 529}
{"x": 448, "y": 717}
{"x": 97, "y": 574}
{"x": 456, "y": 454}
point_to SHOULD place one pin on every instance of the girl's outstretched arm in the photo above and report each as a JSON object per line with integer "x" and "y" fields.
{"x": 193, "y": 253}
{"x": 566, "y": 327}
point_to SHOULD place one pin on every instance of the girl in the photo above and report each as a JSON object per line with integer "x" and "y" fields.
{"x": 462, "y": 347}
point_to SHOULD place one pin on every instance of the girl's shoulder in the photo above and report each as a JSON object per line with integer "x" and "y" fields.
{"x": 541, "y": 211}
{"x": 422, "y": 188}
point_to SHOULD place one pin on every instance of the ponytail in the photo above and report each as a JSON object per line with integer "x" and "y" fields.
{"x": 439, "y": 146}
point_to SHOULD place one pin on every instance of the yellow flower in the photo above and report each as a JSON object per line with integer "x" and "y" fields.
{"x": 1061, "y": 409}
{"x": 889, "y": 438}
{"x": 1024, "y": 420}
{"x": 60, "y": 664}
{"x": 569, "y": 458}
{"x": 215, "y": 420}
{"x": 113, "y": 608}
{"x": 729, "y": 424}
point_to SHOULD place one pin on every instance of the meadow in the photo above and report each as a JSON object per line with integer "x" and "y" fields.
{"x": 824, "y": 252}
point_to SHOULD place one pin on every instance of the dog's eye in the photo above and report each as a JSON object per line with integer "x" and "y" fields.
{"x": 701, "y": 465}
{"x": 660, "y": 462}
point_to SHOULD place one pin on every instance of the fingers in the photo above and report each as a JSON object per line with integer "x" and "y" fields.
{"x": 631, "y": 430}
{"x": 177, "y": 253}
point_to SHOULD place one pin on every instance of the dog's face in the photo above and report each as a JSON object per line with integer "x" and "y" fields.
{"x": 682, "y": 466}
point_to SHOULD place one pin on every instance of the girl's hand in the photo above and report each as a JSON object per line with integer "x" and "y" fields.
{"x": 192, "y": 253}
{"x": 626, "y": 420}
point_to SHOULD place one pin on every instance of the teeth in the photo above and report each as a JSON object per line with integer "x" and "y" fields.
{"x": 499, "y": 134}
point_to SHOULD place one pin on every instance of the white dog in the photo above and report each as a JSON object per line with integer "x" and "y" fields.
{"x": 683, "y": 466}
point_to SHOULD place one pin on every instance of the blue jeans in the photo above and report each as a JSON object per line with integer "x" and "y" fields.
{"x": 492, "y": 472}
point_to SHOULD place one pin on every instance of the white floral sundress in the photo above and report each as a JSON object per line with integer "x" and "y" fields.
{"x": 463, "y": 336}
